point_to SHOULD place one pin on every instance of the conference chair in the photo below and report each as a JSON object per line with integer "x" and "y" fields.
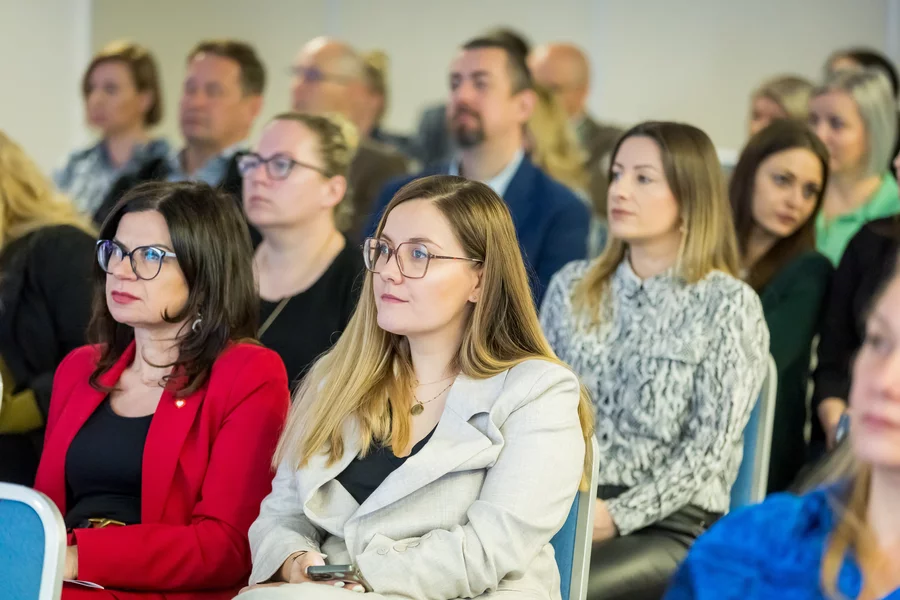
{"x": 572, "y": 543}
{"x": 32, "y": 545}
{"x": 753, "y": 476}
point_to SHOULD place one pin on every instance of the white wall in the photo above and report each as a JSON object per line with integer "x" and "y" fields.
{"x": 694, "y": 60}
{"x": 44, "y": 45}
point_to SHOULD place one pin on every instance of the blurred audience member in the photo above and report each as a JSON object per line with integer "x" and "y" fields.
{"x": 551, "y": 144}
{"x": 839, "y": 541}
{"x": 330, "y": 77}
{"x": 220, "y": 100}
{"x": 374, "y": 104}
{"x": 296, "y": 195}
{"x": 491, "y": 100}
{"x": 782, "y": 97}
{"x": 123, "y": 99}
{"x": 868, "y": 58}
{"x": 854, "y": 114}
{"x": 434, "y": 142}
{"x": 564, "y": 69}
{"x": 439, "y": 445}
{"x": 46, "y": 252}
{"x": 160, "y": 436}
{"x": 776, "y": 191}
{"x": 869, "y": 259}
{"x": 673, "y": 348}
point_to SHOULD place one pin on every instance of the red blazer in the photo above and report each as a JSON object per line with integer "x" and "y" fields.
{"x": 206, "y": 469}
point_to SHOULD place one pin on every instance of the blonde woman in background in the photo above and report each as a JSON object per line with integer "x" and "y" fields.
{"x": 374, "y": 103}
{"x": 782, "y": 97}
{"x": 439, "y": 445}
{"x": 46, "y": 254}
{"x": 839, "y": 541}
{"x": 854, "y": 114}
{"x": 123, "y": 100}
{"x": 553, "y": 146}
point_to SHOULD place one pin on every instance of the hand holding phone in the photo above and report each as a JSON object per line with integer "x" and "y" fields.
{"x": 349, "y": 575}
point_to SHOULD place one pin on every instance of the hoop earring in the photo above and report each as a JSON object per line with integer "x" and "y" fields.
{"x": 195, "y": 326}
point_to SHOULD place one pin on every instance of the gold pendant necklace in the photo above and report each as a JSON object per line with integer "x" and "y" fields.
{"x": 419, "y": 407}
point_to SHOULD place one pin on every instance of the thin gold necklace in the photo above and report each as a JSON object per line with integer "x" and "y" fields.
{"x": 419, "y": 407}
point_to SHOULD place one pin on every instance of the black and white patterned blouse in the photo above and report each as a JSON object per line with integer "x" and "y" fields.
{"x": 674, "y": 370}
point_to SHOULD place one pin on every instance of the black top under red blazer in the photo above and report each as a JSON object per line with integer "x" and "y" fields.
{"x": 206, "y": 469}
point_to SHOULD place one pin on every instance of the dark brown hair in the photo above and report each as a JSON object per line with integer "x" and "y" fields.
{"x": 779, "y": 136}
{"x": 212, "y": 242}
{"x": 253, "y": 73}
{"x": 520, "y": 76}
{"x": 143, "y": 72}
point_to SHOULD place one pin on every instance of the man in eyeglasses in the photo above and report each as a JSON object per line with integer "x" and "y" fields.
{"x": 330, "y": 77}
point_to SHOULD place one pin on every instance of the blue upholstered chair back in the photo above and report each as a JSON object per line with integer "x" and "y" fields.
{"x": 32, "y": 545}
{"x": 572, "y": 543}
{"x": 753, "y": 475}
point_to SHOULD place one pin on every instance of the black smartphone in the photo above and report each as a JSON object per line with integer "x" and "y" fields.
{"x": 337, "y": 573}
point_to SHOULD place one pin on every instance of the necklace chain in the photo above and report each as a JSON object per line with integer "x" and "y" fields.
{"x": 419, "y": 406}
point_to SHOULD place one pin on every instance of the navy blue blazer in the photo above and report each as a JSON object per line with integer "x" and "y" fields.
{"x": 551, "y": 222}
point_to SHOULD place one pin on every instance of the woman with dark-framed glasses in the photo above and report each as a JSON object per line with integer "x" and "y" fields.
{"x": 296, "y": 196}
{"x": 437, "y": 448}
{"x": 160, "y": 434}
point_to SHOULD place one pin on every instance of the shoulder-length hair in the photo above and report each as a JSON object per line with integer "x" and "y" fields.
{"x": 779, "y": 136}
{"x": 28, "y": 199}
{"x": 368, "y": 374}
{"x": 144, "y": 74}
{"x": 554, "y": 145}
{"x": 694, "y": 175}
{"x": 871, "y": 92}
{"x": 212, "y": 244}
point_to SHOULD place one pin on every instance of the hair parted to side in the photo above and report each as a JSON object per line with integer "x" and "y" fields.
{"x": 555, "y": 147}
{"x": 213, "y": 248}
{"x": 28, "y": 199}
{"x": 143, "y": 69}
{"x": 338, "y": 141}
{"x": 694, "y": 175}
{"x": 871, "y": 91}
{"x": 368, "y": 375}
{"x": 777, "y": 137}
{"x": 790, "y": 92}
{"x": 253, "y": 73}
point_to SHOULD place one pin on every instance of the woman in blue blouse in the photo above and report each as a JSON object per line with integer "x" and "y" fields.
{"x": 841, "y": 541}
{"x": 123, "y": 99}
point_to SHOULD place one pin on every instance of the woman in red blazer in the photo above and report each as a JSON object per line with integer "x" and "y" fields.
{"x": 160, "y": 436}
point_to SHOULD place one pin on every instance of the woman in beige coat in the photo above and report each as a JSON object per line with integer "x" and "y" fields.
{"x": 438, "y": 447}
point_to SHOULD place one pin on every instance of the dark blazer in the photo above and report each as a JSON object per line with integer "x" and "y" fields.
{"x": 866, "y": 263}
{"x": 792, "y": 303}
{"x": 45, "y": 307}
{"x": 206, "y": 469}
{"x": 373, "y": 166}
{"x": 551, "y": 222}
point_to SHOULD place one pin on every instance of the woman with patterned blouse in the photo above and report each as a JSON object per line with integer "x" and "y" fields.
{"x": 673, "y": 347}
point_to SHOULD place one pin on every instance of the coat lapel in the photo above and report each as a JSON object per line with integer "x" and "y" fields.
{"x": 169, "y": 429}
{"x": 454, "y": 443}
{"x": 325, "y": 501}
{"x": 80, "y": 405}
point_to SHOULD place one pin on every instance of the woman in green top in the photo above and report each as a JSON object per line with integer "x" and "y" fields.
{"x": 776, "y": 191}
{"x": 855, "y": 116}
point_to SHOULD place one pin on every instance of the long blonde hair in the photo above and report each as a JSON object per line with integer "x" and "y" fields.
{"x": 368, "y": 375}
{"x": 695, "y": 177}
{"x": 28, "y": 200}
{"x": 554, "y": 145}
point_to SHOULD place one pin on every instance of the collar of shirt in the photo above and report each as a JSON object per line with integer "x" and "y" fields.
{"x": 500, "y": 182}
{"x": 212, "y": 172}
{"x": 629, "y": 286}
{"x": 833, "y": 236}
